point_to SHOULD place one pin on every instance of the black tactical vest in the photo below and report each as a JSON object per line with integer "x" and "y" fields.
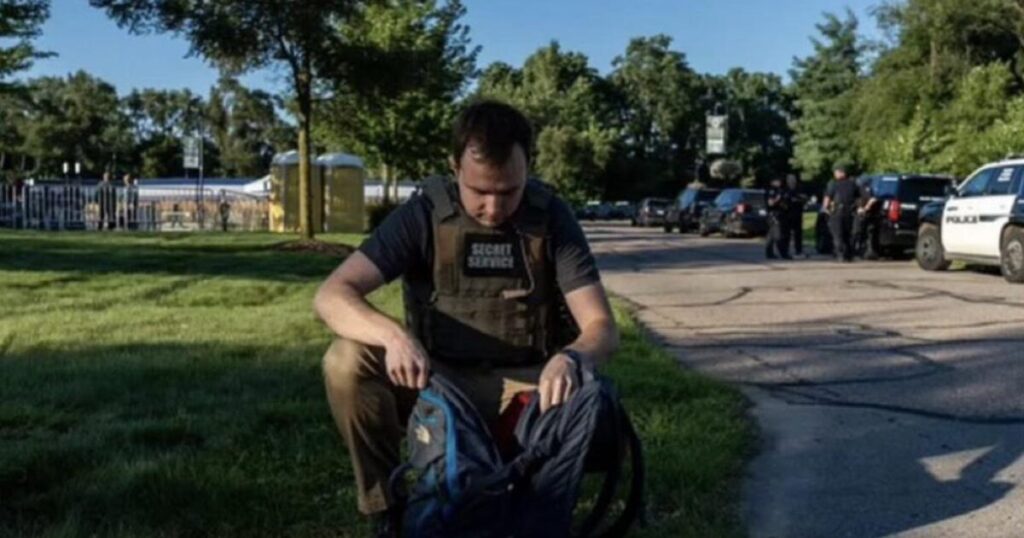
{"x": 494, "y": 300}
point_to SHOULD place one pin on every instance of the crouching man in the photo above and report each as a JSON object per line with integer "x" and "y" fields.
{"x": 489, "y": 262}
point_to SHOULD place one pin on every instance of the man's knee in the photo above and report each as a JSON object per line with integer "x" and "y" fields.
{"x": 347, "y": 364}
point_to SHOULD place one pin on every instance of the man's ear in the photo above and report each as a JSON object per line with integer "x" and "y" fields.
{"x": 453, "y": 165}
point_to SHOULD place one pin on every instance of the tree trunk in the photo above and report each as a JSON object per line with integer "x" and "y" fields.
{"x": 385, "y": 184}
{"x": 305, "y": 120}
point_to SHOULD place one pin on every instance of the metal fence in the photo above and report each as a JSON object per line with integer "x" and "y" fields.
{"x": 77, "y": 207}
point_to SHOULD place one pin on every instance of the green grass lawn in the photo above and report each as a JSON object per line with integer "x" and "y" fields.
{"x": 169, "y": 385}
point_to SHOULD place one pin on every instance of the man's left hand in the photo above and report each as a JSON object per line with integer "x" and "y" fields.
{"x": 557, "y": 381}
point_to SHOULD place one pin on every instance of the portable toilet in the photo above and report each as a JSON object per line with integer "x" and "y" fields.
{"x": 342, "y": 177}
{"x": 284, "y": 193}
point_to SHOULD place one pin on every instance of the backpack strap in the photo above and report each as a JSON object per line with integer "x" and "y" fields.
{"x": 635, "y": 508}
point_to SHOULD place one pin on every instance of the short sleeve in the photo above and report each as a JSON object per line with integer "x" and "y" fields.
{"x": 575, "y": 266}
{"x": 830, "y": 189}
{"x": 400, "y": 245}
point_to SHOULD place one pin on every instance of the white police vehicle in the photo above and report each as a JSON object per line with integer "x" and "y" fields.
{"x": 982, "y": 222}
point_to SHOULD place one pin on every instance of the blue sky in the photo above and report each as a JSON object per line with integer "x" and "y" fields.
{"x": 715, "y": 35}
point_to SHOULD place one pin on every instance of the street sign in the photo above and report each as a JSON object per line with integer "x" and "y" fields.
{"x": 716, "y": 134}
{"x": 193, "y": 150}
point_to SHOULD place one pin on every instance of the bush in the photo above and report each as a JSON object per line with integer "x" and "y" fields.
{"x": 377, "y": 212}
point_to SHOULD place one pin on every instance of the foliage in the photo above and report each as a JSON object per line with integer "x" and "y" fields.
{"x": 395, "y": 107}
{"x": 823, "y": 86}
{"x": 239, "y": 35}
{"x": 20, "y": 21}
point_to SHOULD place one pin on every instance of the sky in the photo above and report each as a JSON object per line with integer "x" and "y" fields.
{"x": 715, "y": 35}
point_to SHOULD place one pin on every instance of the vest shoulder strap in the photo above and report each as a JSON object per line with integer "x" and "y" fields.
{"x": 436, "y": 189}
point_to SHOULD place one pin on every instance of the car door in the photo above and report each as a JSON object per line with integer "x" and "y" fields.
{"x": 994, "y": 209}
{"x": 960, "y": 216}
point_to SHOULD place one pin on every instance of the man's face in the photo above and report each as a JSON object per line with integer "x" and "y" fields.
{"x": 791, "y": 182}
{"x": 839, "y": 175}
{"x": 490, "y": 193}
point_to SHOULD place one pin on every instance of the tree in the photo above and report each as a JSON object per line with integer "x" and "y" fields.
{"x": 572, "y": 110}
{"x": 396, "y": 107}
{"x": 20, "y": 21}
{"x": 245, "y": 128}
{"x": 160, "y": 120}
{"x": 661, "y": 119}
{"x": 239, "y": 35}
{"x": 759, "y": 110}
{"x": 823, "y": 86}
{"x": 77, "y": 118}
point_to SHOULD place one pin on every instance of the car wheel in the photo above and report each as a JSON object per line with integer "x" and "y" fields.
{"x": 1012, "y": 255}
{"x": 667, "y": 228}
{"x": 703, "y": 230}
{"x": 929, "y": 252}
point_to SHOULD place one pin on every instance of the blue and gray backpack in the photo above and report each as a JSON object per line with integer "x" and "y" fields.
{"x": 462, "y": 487}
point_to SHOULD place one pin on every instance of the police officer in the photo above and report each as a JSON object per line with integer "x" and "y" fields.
{"x": 866, "y": 223}
{"x": 777, "y": 200}
{"x": 795, "y": 214}
{"x": 486, "y": 261}
{"x": 841, "y": 203}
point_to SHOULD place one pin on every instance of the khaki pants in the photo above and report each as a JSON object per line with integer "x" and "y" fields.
{"x": 371, "y": 412}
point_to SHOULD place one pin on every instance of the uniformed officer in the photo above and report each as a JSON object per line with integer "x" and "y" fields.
{"x": 866, "y": 223}
{"x": 777, "y": 200}
{"x": 485, "y": 262}
{"x": 795, "y": 214}
{"x": 841, "y": 203}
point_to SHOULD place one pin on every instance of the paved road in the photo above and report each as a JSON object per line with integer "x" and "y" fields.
{"x": 891, "y": 400}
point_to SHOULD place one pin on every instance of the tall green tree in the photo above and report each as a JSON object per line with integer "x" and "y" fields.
{"x": 759, "y": 108}
{"x": 412, "y": 60}
{"x": 76, "y": 118}
{"x": 160, "y": 119}
{"x": 20, "y": 22}
{"x": 823, "y": 87}
{"x": 572, "y": 111}
{"x": 240, "y": 35}
{"x": 245, "y": 127}
{"x": 661, "y": 114}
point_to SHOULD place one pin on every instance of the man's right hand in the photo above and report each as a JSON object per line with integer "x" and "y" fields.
{"x": 407, "y": 362}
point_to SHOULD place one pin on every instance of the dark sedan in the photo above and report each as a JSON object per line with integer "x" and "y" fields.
{"x": 685, "y": 213}
{"x": 736, "y": 212}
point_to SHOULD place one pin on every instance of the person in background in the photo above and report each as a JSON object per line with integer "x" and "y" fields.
{"x": 795, "y": 213}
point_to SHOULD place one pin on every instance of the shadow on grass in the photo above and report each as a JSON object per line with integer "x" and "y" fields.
{"x": 170, "y": 440}
{"x": 237, "y": 255}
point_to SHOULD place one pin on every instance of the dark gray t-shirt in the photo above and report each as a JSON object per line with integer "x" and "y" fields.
{"x": 403, "y": 246}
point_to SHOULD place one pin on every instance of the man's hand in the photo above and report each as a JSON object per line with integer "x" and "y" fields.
{"x": 557, "y": 381}
{"x": 407, "y": 362}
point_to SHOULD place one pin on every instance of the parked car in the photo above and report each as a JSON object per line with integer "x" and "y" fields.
{"x": 684, "y": 214}
{"x": 902, "y": 196}
{"x": 736, "y": 212}
{"x": 651, "y": 212}
{"x": 981, "y": 223}
{"x": 621, "y": 210}
{"x": 595, "y": 210}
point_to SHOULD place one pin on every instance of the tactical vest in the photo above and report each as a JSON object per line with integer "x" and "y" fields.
{"x": 494, "y": 299}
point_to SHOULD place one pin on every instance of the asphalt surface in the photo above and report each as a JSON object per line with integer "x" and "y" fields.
{"x": 890, "y": 400}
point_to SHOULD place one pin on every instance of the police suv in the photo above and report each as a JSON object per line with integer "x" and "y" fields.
{"x": 982, "y": 222}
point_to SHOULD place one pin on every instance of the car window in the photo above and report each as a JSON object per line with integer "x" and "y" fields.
{"x": 885, "y": 187}
{"x": 726, "y": 199}
{"x": 924, "y": 190}
{"x": 1018, "y": 182}
{"x": 978, "y": 184}
{"x": 754, "y": 198}
{"x": 687, "y": 197}
{"x": 706, "y": 195}
{"x": 1001, "y": 182}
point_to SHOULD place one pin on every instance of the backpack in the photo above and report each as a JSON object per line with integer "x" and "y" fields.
{"x": 462, "y": 487}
